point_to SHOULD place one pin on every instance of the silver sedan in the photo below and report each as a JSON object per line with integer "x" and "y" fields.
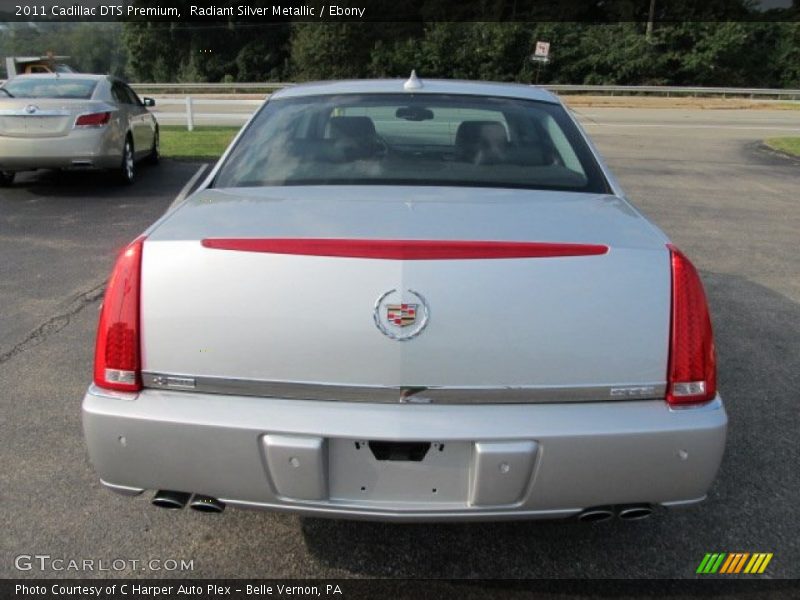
{"x": 419, "y": 301}
{"x": 79, "y": 121}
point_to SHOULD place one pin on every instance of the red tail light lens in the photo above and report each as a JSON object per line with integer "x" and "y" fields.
{"x": 117, "y": 363}
{"x": 692, "y": 376}
{"x": 93, "y": 120}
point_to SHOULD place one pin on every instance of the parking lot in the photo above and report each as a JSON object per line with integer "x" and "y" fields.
{"x": 732, "y": 206}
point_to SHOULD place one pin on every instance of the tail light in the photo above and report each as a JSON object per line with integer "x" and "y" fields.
{"x": 93, "y": 119}
{"x": 117, "y": 363}
{"x": 692, "y": 376}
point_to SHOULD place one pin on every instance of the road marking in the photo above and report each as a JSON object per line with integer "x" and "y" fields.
{"x": 766, "y": 187}
{"x": 196, "y": 100}
{"x": 698, "y": 126}
{"x": 187, "y": 188}
{"x": 206, "y": 115}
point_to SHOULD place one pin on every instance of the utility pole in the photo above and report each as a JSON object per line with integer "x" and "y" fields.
{"x": 649, "y": 31}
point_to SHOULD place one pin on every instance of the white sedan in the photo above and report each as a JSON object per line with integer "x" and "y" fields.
{"x": 427, "y": 300}
{"x": 74, "y": 121}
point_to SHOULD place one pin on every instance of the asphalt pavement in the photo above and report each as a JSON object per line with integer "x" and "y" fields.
{"x": 733, "y": 207}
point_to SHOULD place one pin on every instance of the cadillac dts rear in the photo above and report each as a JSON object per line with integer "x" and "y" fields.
{"x": 426, "y": 301}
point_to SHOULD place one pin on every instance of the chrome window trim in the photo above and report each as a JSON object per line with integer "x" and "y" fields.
{"x": 298, "y": 390}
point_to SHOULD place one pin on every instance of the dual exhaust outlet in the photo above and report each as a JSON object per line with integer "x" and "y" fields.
{"x": 626, "y": 512}
{"x": 176, "y": 500}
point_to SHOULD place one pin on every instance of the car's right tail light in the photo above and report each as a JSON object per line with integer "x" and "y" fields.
{"x": 692, "y": 375}
{"x": 117, "y": 361}
{"x": 93, "y": 120}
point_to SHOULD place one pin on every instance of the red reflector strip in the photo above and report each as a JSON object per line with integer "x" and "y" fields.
{"x": 405, "y": 249}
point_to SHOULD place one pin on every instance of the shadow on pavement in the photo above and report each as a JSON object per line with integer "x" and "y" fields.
{"x": 91, "y": 184}
{"x": 752, "y": 506}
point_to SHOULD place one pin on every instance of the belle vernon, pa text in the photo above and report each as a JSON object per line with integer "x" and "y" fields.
{"x": 157, "y": 591}
{"x": 245, "y": 10}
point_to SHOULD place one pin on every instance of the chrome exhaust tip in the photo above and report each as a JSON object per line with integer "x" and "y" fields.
{"x": 635, "y": 512}
{"x": 206, "y": 504}
{"x": 170, "y": 499}
{"x": 596, "y": 514}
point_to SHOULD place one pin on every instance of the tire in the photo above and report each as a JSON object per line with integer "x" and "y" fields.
{"x": 126, "y": 173}
{"x": 155, "y": 151}
{"x": 6, "y": 178}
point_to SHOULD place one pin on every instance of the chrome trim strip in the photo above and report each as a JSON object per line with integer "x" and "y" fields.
{"x": 8, "y": 112}
{"x": 682, "y": 503}
{"x": 124, "y": 490}
{"x": 366, "y": 513}
{"x": 297, "y": 390}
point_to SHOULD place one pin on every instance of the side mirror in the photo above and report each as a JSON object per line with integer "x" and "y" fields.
{"x": 149, "y": 102}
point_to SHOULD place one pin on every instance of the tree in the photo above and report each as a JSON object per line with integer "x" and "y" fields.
{"x": 206, "y": 52}
{"x": 331, "y": 50}
{"x": 91, "y": 47}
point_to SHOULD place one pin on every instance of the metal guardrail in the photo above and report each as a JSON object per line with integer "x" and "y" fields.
{"x": 210, "y": 87}
{"x": 190, "y": 109}
{"x": 655, "y": 90}
{"x": 674, "y": 90}
{"x": 189, "y": 92}
{"x": 603, "y": 90}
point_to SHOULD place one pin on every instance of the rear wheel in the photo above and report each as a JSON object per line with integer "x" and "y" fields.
{"x": 126, "y": 172}
{"x": 155, "y": 151}
{"x": 6, "y": 178}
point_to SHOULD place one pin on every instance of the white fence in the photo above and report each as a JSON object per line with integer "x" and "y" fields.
{"x": 191, "y": 108}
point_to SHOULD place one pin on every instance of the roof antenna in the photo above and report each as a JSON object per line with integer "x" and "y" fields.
{"x": 413, "y": 82}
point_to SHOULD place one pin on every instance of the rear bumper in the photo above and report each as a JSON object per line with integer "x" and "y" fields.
{"x": 498, "y": 462}
{"x": 92, "y": 148}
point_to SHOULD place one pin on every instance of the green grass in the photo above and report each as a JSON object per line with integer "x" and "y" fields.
{"x": 789, "y": 145}
{"x": 204, "y": 142}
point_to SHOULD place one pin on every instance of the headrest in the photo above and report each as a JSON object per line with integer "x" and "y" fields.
{"x": 476, "y": 132}
{"x": 351, "y": 127}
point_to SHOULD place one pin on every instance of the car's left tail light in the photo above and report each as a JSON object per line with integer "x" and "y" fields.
{"x": 692, "y": 376}
{"x": 93, "y": 119}
{"x": 117, "y": 360}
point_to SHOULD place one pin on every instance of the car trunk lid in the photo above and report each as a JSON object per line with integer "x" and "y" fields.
{"x": 496, "y": 328}
{"x": 43, "y": 117}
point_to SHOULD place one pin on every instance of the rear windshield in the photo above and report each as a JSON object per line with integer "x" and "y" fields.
{"x": 412, "y": 139}
{"x": 51, "y": 87}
